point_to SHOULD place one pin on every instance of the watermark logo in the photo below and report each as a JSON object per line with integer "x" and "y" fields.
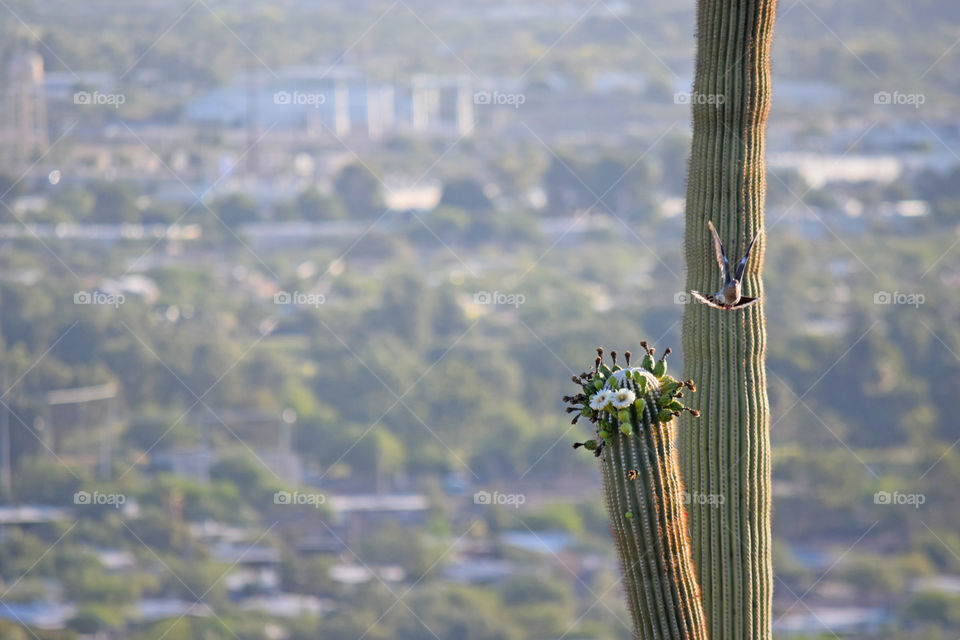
{"x": 85, "y": 498}
{"x": 99, "y": 297}
{"x": 96, "y": 98}
{"x": 300, "y": 98}
{"x": 299, "y": 298}
{"x": 299, "y": 498}
{"x": 682, "y": 297}
{"x": 499, "y": 98}
{"x": 899, "y": 98}
{"x": 496, "y": 498}
{"x": 687, "y": 97}
{"x": 499, "y": 298}
{"x": 897, "y": 498}
{"x": 704, "y": 499}
{"x": 899, "y": 297}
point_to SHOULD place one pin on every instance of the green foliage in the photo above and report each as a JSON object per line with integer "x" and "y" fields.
{"x": 933, "y": 608}
{"x": 393, "y": 544}
{"x": 234, "y": 210}
{"x": 465, "y": 193}
{"x": 611, "y": 184}
{"x": 559, "y": 517}
{"x": 523, "y": 591}
{"x": 113, "y": 202}
{"x": 312, "y": 205}
{"x": 91, "y": 584}
{"x": 247, "y": 475}
{"x": 43, "y": 480}
{"x": 10, "y": 189}
{"x": 18, "y": 551}
{"x": 360, "y": 190}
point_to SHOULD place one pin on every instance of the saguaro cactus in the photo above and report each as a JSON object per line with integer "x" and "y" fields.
{"x": 634, "y": 410}
{"x": 726, "y": 455}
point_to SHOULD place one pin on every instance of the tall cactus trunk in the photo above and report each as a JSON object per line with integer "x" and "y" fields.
{"x": 725, "y": 456}
{"x": 634, "y": 410}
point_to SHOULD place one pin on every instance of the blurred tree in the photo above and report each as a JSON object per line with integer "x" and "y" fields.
{"x": 252, "y": 480}
{"x": 235, "y": 209}
{"x": 10, "y": 190}
{"x": 113, "y": 203}
{"x": 565, "y": 189}
{"x": 531, "y": 589}
{"x": 465, "y": 193}
{"x": 313, "y": 205}
{"x": 932, "y": 607}
{"x": 360, "y": 190}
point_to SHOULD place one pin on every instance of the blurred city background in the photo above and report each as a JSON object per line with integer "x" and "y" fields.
{"x": 290, "y": 291}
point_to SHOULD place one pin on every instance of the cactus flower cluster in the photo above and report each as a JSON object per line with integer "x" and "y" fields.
{"x": 633, "y": 411}
{"x": 611, "y": 395}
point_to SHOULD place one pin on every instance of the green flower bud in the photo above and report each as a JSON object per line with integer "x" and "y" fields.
{"x": 660, "y": 368}
{"x": 626, "y": 429}
{"x": 670, "y": 386}
{"x": 647, "y": 362}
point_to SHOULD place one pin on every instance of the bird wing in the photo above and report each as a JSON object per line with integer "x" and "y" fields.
{"x": 743, "y": 262}
{"x": 708, "y": 299}
{"x": 746, "y": 301}
{"x": 721, "y": 254}
{"x": 712, "y": 300}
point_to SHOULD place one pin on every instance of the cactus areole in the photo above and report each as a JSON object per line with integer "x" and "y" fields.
{"x": 633, "y": 411}
{"x": 726, "y": 455}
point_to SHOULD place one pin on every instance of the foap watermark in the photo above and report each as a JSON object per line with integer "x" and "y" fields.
{"x": 299, "y": 298}
{"x": 687, "y": 97}
{"x": 514, "y": 500}
{"x": 704, "y": 499}
{"x": 682, "y": 297}
{"x": 899, "y": 98}
{"x": 97, "y": 98}
{"x": 895, "y": 497}
{"x": 499, "y": 298}
{"x": 499, "y": 98}
{"x": 99, "y": 297}
{"x": 899, "y": 297}
{"x": 300, "y": 98}
{"x": 298, "y": 498}
{"x": 85, "y": 498}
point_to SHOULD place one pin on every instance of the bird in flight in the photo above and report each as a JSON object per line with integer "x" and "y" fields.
{"x": 729, "y": 297}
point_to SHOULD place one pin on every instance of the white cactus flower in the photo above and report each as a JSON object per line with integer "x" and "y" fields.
{"x": 623, "y": 398}
{"x": 601, "y": 399}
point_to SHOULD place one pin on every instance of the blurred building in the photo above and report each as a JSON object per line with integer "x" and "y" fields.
{"x": 25, "y": 110}
{"x": 338, "y": 102}
{"x": 262, "y": 433}
{"x": 442, "y": 105}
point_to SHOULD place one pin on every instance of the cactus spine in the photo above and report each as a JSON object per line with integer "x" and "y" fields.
{"x": 727, "y": 454}
{"x": 634, "y": 411}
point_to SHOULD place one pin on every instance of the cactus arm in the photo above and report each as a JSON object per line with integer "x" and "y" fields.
{"x": 727, "y": 453}
{"x": 644, "y": 494}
